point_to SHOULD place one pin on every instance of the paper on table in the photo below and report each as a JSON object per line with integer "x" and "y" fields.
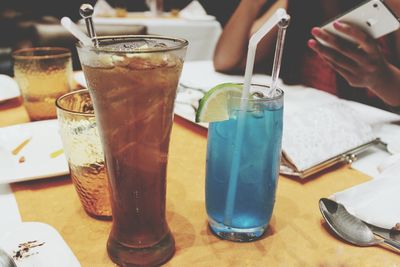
{"x": 376, "y": 201}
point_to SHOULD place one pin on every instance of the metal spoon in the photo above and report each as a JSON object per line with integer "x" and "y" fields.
{"x": 6, "y": 260}
{"x": 349, "y": 227}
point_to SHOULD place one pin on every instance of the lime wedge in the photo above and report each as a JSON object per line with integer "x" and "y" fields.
{"x": 214, "y": 104}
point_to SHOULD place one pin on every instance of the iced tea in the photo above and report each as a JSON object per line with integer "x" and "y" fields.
{"x": 133, "y": 89}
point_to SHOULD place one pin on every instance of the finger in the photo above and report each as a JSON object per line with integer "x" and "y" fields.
{"x": 347, "y": 75}
{"x": 340, "y": 45}
{"x": 366, "y": 42}
{"x": 333, "y": 56}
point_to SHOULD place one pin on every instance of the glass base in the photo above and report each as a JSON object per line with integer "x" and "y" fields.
{"x": 236, "y": 234}
{"x": 99, "y": 217}
{"x": 149, "y": 256}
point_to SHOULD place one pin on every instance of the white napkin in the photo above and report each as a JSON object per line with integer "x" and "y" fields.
{"x": 103, "y": 9}
{"x": 376, "y": 201}
{"x": 193, "y": 11}
{"x": 316, "y": 134}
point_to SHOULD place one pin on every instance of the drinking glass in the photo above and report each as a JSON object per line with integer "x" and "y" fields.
{"x": 243, "y": 166}
{"x": 84, "y": 152}
{"x": 133, "y": 82}
{"x": 43, "y": 74}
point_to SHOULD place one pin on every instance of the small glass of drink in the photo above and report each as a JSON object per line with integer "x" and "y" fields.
{"x": 84, "y": 152}
{"x": 243, "y": 167}
{"x": 43, "y": 74}
{"x": 133, "y": 82}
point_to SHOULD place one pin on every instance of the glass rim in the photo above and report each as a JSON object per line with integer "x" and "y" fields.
{"x": 19, "y": 54}
{"x": 278, "y": 97}
{"x": 182, "y": 44}
{"x": 79, "y": 92}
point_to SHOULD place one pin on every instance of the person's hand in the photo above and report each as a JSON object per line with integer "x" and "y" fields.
{"x": 361, "y": 63}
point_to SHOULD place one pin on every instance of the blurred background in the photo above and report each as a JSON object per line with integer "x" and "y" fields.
{"x": 27, "y": 23}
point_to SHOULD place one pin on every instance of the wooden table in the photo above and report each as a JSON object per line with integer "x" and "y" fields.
{"x": 297, "y": 235}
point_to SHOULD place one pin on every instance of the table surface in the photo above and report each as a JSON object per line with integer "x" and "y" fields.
{"x": 296, "y": 236}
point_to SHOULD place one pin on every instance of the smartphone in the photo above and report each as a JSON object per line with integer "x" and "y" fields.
{"x": 372, "y": 16}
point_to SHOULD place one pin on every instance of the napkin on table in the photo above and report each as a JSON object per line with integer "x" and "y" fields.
{"x": 376, "y": 201}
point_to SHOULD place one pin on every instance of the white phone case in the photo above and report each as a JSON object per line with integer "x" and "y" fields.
{"x": 372, "y": 16}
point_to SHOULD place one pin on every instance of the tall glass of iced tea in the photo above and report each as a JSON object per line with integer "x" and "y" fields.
{"x": 132, "y": 81}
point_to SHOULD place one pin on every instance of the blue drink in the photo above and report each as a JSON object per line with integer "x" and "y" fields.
{"x": 254, "y": 197}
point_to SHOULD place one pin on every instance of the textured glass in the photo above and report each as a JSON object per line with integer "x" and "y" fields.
{"x": 84, "y": 152}
{"x": 43, "y": 74}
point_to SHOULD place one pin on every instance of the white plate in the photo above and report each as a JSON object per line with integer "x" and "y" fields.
{"x": 8, "y": 88}
{"x": 38, "y": 163}
{"x": 188, "y": 113}
{"x": 47, "y": 249}
{"x": 186, "y": 103}
{"x": 80, "y": 78}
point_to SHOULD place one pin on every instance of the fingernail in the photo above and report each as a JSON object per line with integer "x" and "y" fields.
{"x": 338, "y": 24}
{"x": 311, "y": 43}
{"x": 315, "y": 31}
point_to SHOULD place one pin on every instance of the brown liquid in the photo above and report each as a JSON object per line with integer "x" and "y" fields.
{"x": 134, "y": 107}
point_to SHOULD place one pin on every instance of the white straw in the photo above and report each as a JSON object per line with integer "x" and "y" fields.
{"x": 76, "y": 31}
{"x": 236, "y": 155}
{"x": 251, "y": 53}
{"x": 280, "y": 40}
